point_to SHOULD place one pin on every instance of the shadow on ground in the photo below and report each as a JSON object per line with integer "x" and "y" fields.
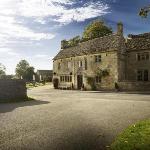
{"x": 83, "y": 139}
{"x": 8, "y": 107}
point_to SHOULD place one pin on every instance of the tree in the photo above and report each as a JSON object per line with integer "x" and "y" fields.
{"x": 64, "y": 44}
{"x": 29, "y": 74}
{"x": 96, "y": 29}
{"x": 2, "y": 70}
{"x": 144, "y": 11}
{"x": 21, "y": 68}
{"x": 74, "y": 41}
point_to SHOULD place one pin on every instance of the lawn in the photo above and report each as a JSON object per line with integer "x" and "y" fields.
{"x": 135, "y": 137}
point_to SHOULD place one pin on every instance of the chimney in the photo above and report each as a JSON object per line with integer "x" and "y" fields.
{"x": 120, "y": 28}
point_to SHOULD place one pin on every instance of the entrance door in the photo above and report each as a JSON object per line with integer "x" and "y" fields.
{"x": 79, "y": 81}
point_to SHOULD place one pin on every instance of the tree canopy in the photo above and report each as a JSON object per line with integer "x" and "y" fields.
{"x": 24, "y": 70}
{"x": 144, "y": 11}
{"x": 2, "y": 70}
{"x": 96, "y": 29}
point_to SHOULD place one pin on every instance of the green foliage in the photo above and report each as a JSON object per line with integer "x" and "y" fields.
{"x": 2, "y": 71}
{"x": 70, "y": 43}
{"x": 103, "y": 73}
{"x": 55, "y": 83}
{"x": 91, "y": 82}
{"x": 96, "y": 29}
{"x": 144, "y": 12}
{"x": 21, "y": 68}
{"x": 64, "y": 44}
{"x": 29, "y": 74}
{"x": 24, "y": 70}
{"x": 93, "y": 30}
{"x": 135, "y": 137}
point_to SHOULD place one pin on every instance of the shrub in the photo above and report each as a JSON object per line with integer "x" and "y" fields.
{"x": 55, "y": 83}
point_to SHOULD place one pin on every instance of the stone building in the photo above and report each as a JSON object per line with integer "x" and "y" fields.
{"x": 45, "y": 75}
{"x": 105, "y": 63}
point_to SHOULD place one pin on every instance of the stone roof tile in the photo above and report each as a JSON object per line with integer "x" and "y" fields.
{"x": 93, "y": 46}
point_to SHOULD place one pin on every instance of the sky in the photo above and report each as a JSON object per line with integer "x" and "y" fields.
{"x": 33, "y": 29}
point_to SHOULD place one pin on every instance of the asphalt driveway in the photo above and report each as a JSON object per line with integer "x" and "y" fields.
{"x": 69, "y": 120}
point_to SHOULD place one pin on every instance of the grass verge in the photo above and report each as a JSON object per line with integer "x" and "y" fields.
{"x": 135, "y": 137}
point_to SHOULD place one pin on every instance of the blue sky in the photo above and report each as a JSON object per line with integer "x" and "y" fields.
{"x": 33, "y": 29}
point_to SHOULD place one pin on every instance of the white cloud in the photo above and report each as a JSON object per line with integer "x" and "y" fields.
{"x": 62, "y": 14}
{"x": 7, "y": 52}
{"x": 41, "y": 56}
{"x": 38, "y": 10}
{"x": 14, "y": 31}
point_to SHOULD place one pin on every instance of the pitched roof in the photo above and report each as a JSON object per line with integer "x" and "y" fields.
{"x": 138, "y": 42}
{"x": 93, "y": 46}
{"x": 44, "y": 72}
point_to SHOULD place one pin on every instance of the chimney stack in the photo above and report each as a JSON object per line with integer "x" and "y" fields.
{"x": 120, "y": 28}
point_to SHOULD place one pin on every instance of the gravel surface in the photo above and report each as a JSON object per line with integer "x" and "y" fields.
{"x": 69, "y": 120}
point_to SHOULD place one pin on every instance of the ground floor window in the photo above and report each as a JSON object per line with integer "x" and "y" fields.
{"x": 142, "y": 75}
{"x": 98, "y": 79}
{"x": 66, "y": 78}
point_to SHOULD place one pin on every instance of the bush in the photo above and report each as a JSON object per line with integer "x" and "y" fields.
{"x": 55, "y": 83}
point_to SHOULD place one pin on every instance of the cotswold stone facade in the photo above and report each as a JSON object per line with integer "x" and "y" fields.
{"x": 103, "y": 63}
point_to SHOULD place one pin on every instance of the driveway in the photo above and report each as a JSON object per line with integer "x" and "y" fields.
{"x": 69, "y": 120}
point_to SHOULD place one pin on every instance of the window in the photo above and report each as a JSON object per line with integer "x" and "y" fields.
{"x": 143, "y": 56}
{"x": 139, "y": 75}
{"x": 69, "y": 65}
{"x": 85, "y": 64}
{"x": 145, "y": 75}
{"x": 98, "y": 79}
{"x": 138, "y": 57}
{"x": 142, "y": 75}
{"x": 98, "y": 58}
{"x": 59, "y": 66}
{"x": 80, "y": 63}
{"x": 66, "y": 78}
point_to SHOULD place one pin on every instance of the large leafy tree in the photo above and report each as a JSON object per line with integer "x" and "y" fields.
{"x": 144, "y": 11}
{"x": 96, "y": 29}
{"x": 24, "y": 70}
{"x": 2, "y": 70}
{"x": 29, "y": 74}
{"x": 21, "y": 68}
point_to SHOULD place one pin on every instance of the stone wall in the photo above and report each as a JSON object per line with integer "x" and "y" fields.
{"x": 133, "y": 65}
{"x": 134, "y": 86}
{"x": 12, "y": 90}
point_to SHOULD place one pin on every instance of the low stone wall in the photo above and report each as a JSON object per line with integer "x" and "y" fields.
{"x": 11, "y": 90}
{"x": 134, "y": 86}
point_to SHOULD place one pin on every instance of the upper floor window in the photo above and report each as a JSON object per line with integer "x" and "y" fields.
{"x": 143, "y": 56}
{"x": 85, "y": 64}
{"x": 80, "y": 64}
{"x": 142, "y": 75}
{"x": 59, "y": 66}
{"x": 98, "y": 58}
{"x": 69, "y": 64}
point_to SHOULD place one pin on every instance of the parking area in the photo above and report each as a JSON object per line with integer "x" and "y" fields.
{"x": 69, "y": 120}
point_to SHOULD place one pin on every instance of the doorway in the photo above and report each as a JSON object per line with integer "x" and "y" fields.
{"x": 79, "y": 81}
